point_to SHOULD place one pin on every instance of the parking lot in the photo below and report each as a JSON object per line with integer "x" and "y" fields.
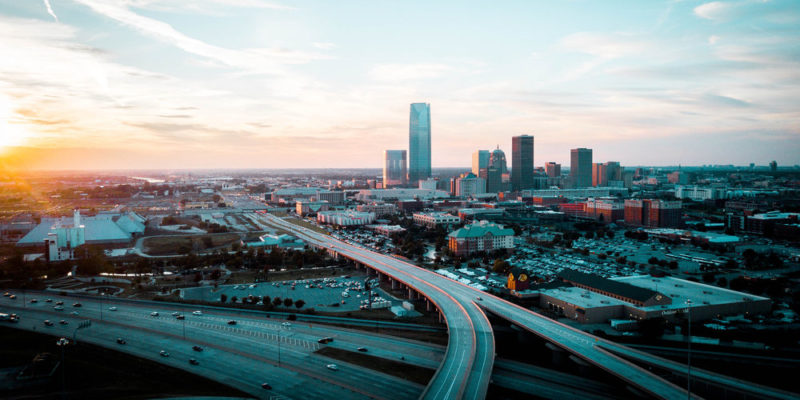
{"x": 343, "y": 293}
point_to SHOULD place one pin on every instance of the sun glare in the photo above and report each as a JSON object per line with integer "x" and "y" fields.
{"x": 11, "y": 133}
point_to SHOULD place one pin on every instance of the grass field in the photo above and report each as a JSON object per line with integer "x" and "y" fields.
{"x": 409, "y": 372}
{"x": 88, "y": 375}
{"x": 306, "y": 224}
{"x": 169, "y": 245}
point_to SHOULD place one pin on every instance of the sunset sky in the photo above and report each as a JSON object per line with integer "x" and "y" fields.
{"x": 110, "y": 84}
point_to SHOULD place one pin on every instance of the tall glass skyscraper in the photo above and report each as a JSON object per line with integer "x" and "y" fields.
{"x": 580, "y": 167}
{"x": 419, "y": 143}
{"x": 394, "y": 168}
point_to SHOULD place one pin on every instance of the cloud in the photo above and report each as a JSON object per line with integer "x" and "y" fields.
{"x": 260, "y": 60}
{"x": 715, "y": 10}
{"x": 713, "y": 39}
{"x": 407, "y": 72}
{"x": 324, "y": 45}
{"x": 50, "y": 10}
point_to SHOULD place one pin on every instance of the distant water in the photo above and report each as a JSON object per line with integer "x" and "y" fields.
{"x": 149, "y": 180}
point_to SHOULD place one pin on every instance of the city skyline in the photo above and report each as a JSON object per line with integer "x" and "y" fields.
{"x": 251, "y": 84}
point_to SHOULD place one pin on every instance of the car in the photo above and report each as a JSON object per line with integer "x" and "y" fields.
{"x": 332, "y": 367}
{"x": 59, "y": 303}
{"x": 74, "y": 313}
{"x": 12, "y": 297}
{"x": 175, "y": 314}
{"x": 112, "y": 308}
{"x": 197, "y": 348}
{"x": 48, "y": 323}
{"x": 77, "y": 305}
{"x": 286, "y": 324}
{"x": 193, "y": 361}
{"x": 362, "y": 349}
{"x": 231, "y": 322}
{"x": 121, "y": 340}
{"x": 154, "y": 314}
{"x": 163, "y": 353}
{"x": 6, "y": 294}
{"x": 197, "y": 313}
{"x": 180, "y": 316}
{"x": 34, "y": 301}
{"x": 479, "y": 298}
{"x": 266, "y": 386}
{"x": 48, "y": 300}
{"x": 58, "y": 308}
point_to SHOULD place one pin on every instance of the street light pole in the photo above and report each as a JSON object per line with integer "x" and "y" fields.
{"x": 62, "y": 343}
{"x": 689, "y": 353}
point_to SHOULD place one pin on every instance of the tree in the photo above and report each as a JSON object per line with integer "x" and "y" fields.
{"x": 501, "y": 266}
{"x": 277, "y": 301}
{"x": 223, "y": 298}
{"x": 299, "y": 303}
{"x": 234, "y": 299}
{"x": 287, "y": 302}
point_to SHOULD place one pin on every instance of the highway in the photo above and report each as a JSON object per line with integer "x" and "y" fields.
{"x": 469, "y": 360}
{"x": 252, "y": 352}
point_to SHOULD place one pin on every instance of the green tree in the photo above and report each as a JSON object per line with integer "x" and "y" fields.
{"x": 299, "y": 303}
{"x": 287, "y": 302}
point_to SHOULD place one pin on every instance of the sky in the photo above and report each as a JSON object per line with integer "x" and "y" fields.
{"x": 129, "y": 84}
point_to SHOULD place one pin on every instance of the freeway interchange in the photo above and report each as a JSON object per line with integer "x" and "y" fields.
{"x": 467, "y": 366}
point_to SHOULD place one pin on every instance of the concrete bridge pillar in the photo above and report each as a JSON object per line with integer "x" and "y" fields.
{"x": 412, "y": 294}
{"x": 441, "y": 318}
{"x": 428, "y": 305}
{"x": 559, "y": 355}
{"x": 584, "y": 368}
{"x": 395, "y": 284}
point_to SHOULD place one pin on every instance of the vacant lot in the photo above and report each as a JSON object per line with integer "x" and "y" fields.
{"x": 88, "y": 375}
{"x": 170, "y": 245}
{"x": 306, "y": 224}
{"x": 409, "y": 372}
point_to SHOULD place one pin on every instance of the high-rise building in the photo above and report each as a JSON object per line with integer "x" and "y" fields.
{"x": 419, "y": 143}
{"x": 521, "y": 162}
{"x": 494, "y": 173}
{"x": 599, "y": 177}
{"x": 480, "y": 162}
{"x": 394, "y": 168}
{"x": 553, "y": 169}
{"x": 773, "y": 166}
{"x": 580, "y": 167}
{"x": 613, "y": 171}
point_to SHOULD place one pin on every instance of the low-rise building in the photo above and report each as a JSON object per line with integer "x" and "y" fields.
{"x": 480, "y": 236}
{"x": 304, "y": 207}
{"x": 433, "y": 219}
{"x": 380, "y": 209}
{"x": 345, "y": 218}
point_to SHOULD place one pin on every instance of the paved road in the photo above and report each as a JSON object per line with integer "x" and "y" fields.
{"x": 463, "y": 365}
{"x": 247, "y": 354}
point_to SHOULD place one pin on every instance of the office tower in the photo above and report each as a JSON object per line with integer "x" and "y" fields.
{"x": 419, "y": 143}
{"x": 521, "y": 162}
{"x": 613, "y": 171}
{"x": 494, "y": 173}
{"x": 480, "y": 161}
{"x": 653, "y": 213}
{"x": 773, "y": 166}
{"x": 553, "y": 169}
{"x": 580, "y": 167}
{"x": 599, "y": 177}
{"x": 394, "y": 168}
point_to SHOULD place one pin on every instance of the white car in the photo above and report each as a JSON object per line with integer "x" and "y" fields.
{"x": 197, "y": 313}
{"x": 154, "y": 314}
{"x": 287, "y": 324}
{"x": 112, "y": 308}
{"x": 58, "y": 308}
{"x": 332, "y": 367}
{"x": 175, "y": 314}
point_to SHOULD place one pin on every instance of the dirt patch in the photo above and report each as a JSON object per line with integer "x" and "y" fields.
{"x": 409, "y": 372}
{"x": 171, "y": 245}
{"x": 306, "y": 224}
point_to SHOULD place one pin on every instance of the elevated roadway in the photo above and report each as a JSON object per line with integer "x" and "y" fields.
{"x": 460, "y": 312}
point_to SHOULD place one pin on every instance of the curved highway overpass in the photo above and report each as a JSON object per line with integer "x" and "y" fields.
{"x": 470, "y": 352}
